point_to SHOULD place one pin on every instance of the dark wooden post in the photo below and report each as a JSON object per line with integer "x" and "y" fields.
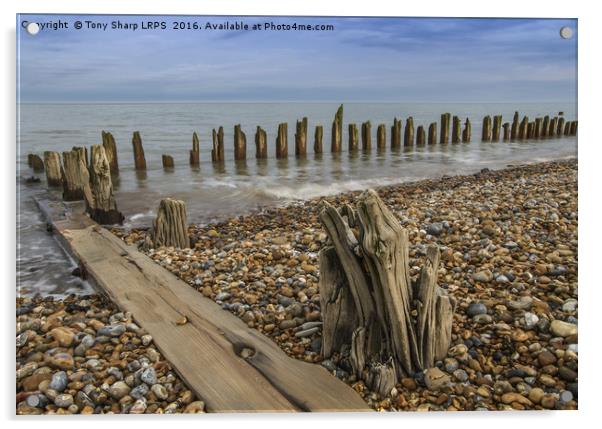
{"x": 100, "y": 202}
{"x": 170, "y": 227}
{"x": 108, "y": 142}
{"x": 139, "y": 159}
{"x": 261, "y": 143}
{"x": 537, "y": 128}
{"x": 337, "y": 130}
{"x": 52, "y": 165}
{"x": 381, "y": 137}
{"x": 217, "y": 152}
{"x": 523, "y": 128}
{"x": 318, "y": 137}
{"x": 408, "y": 135}
{"x": 567, "y": 128}
{"x": 301, "y": 138}
{"x": 240, "y": 144}
{"x": 497, "y": 128}
{"x": 432, "y": 133}
{"x": 36, "y": 163}
{"x": 420, "y": 136}
{"x": 506, "y": 127}
{"x": 396, "y": 134}
{"x": 467, "y": 133}
{"x": 530, "y": 129}
{"x": 354, "y": 143}
{"x": 515, "y": 124}
{"x": 445, "y": 128}
{"x": 553, "y": 126}
{"x": 573, "y": 128}
{"x": 560, "y": 126}
{"x": 167, "y": 161}
{"x": 545, "y": 127}
{"x": 456, "y": 130}
{"x": 195, "y": 153}
{"x": 486, "y": 132}
{"x": 282, "y": 141}
{"x": 76, "y": 177}
{"x": 366, "y": 136}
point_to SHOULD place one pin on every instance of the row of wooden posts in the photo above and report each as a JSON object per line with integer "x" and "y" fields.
{"x": 493, "y": 130}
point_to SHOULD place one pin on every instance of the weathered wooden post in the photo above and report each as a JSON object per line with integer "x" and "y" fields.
{"x": 560, "y": 126}
{"x": 420, "y": 136}
{"x": 100, "y": 202}
{"x": 195, "y": 152}
{"x": 240, "y": 144}
{"x": 354, "y": 143}
{"x": 445, "y": 117}
{"x": 381, "y": 137}
{"x": 408, "y": 135}
{"x": 523, "y": 128}
{"x": 30, "y": 160}
{"x": 369, "y": 306}
{"x": 396, "y": 134}
{"x": 537, "y": 128}
{"x": 553, "y": 126}
{"x": 108, "y": 142}
{"x": 366, "y": 136}
{"x": 467, "y": 133}
{"x": 497, "y": 128}
{"x": 486, "y": 132}
{"x": 36, "y": 163}
{"x": 530, "y": 129}
{"x": 217, "y": 152}
{"x": 282, "y": 141}
{"x": 167, "y": 161}
{"x": 567, "y": 128}
{"x": 170, "y": 227}
{"x": 545, "y": 126}
{"x": 318, "y": 137}
{"x": 432, "y": 133}
{"x": 456, "y": 130}
{"x": 515, "y": 125}
{"x": 52, "y": 165}
{"x": 301, "y": 138}
{"x": 337, "y": 130}
{"x": 573, "y": 128}
{"x": 506, "y": 127}
{"x": 76, "y": 177}
{"x": 261, "y": 143}
{"x": 139, "y": 159}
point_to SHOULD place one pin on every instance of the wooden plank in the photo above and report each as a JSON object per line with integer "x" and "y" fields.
{"x": 232, "y": 367}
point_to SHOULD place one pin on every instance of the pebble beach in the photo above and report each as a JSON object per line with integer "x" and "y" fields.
{"x": 508, "y": 241}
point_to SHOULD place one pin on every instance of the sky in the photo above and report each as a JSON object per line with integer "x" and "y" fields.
{"x": 363, "y": 59}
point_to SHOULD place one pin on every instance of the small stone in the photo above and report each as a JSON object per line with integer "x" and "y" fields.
{"x": 139, "y": 391}
{"x": 112, "y": 330}
{"x": 482, "y": 319}
{"x": 435, "y": 229}
{"x": 566, "y": 396}
{"x": 548, "y": 402}
{"x": 307, "y": 332}
{"x": 563, "y": 329}
{"x": 408, "y": 383}
{"x": 530, "y": 320}
{"x": 63, "y": 400}
{"x": 509, "y": 398}
{"x": 63, "y": 335}
{"x": 119, "y": 389}
{"x": 546, "y": 358}
{"x": 482, "y": 276}
{"x": 460, "y": 375}
{"x": 523, "y": 303}
{"x": 160, "y": 391}
{"x": 146, "y": 340}
{"x": 62, "y": 361}
{"x": 476, "y": 308}
{"x": 569, "y": 306}
{"x": 149, "y": 376}
{"x": 195, "y": 407}
{"x": 139, "y": 406}
{"x": 59, "y": 381}
{"x": 536, "y": 394}
{"x": 435, "y": 379}
{"x": 567, "y": 374}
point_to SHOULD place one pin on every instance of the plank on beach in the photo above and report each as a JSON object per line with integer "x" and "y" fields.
{"x": 232, "y": 367}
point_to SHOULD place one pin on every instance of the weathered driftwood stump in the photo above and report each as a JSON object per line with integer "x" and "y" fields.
{"x": 354, "y": 142}
{"x": 100, "y": 202}
{"x": 456, "y": 130}
{"x": 217, "y": 151}
{"x": 396, "y": 134}
{"x": 515, "y": 124}
{"x": 445, "y": 117}
{"x": 240, "y": 144}
{"x": 467, "y": 132}
{"x": 497, "y": 128}
{"x": 318, "y": 135}
{"x": 408, "y": 135}
{"x": 486, "y": 132}
{"x": 76, "y": 177}
{"x": 282, "y": 141}
{"x": 261, "y": 143}
{"x": 506, "y": 127}
{"x": 170, "y": 227}
{"x": 391, "y": 325}
{"x": 381, "y": 137}
{"x": 36, "y": 163}
{"x": 167, "y": 161}
{"x": 432, "y": 133}
{"x": 139, "y": 159}
{"x": 52, "y": 165}
{"x": 337, "y": 131}
{"x": 366, "y": 136}
{"x": 301, "y": 138}
{"x": 420, "y": 136}
{"x": 195, "y": 152}
{"x": 108, "y": 142}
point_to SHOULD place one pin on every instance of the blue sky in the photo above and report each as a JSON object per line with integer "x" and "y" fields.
{"x": 363, "y": 59}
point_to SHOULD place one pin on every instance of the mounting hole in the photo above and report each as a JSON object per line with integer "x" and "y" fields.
{"x": 566, "y": 32}
{"x": 33, "y": 28}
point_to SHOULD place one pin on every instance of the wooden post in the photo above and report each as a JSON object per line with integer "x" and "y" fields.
{"x": 261, "y": 143}
{"x": 408, "y": 135}
{"x": 139, "y": 159}
{"x": 420, "y": 136}
{"x": 366, "y": 136}
{"x": 530, "y": 129}
{"x": 445, "y": 128}
{"x": 497, "y": 128}
{"x": 52, "y": 165}
{"x": 467, "y": 133}
{"x": 30, "y": 160}
{"x": 36, "y": 163}
{"x": 567, "y": 128}
{"x": 486, "y": 137}
{"x": 545, "y": 126}
{"x": 515, "y": 124}
{"x": 381, "y": 137}
{"x": 432, "y": 133}
{"x": 282, "y": 141}
{"x": 523, "y": 128}
{"x": 537, "y": 128}
{"x": 217, "y": 153}
{"x": 573, "y": 128}
{"x": 318, "y": 135}
{"x": 396, "y": 134}
{"x": 240, "y": 144}
{"x": 337, "y": 130}
{"x": 354, "y": 142}
{"x": 506, "y": 127}
{"x": 195, "y": 152}
{"x": 108, "y": 142}
{"x": 369, "y": 305}
{"x": 553, "y": 126}
{"x": 170, "y": 227}
{"x": 167, "y": 161}
{"x": 76, "y": 178}
{"x": 560, "y": 126}
{"x": 301, "y": 138}
{"x": 100, "y": 203}
{"x": 456, "y": 130}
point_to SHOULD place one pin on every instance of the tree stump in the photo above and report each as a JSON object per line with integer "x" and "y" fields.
{"x": 76, "y": 178}
{"x": 497, "y": 128}
{"x": 456, "y": 130}
{"x": 282, "y": 141}
{"x": 195, "y": 152}
{"x": 366, "y": 136}
{"x": 108, "y": 142}
{"x": 167, "y": 161}
{"x": 486, "y": 135}
{"x": 319, "y": 133}
{"x": 261, "y": 143}
{"x": 217, "y": 152}
{"x": 337, "y": 131}
{"x": 506, "y": 127}
{"x": 139, "y": 159}
{"x": 420, "y": 136}
{"x": 514, "y": 129}
{"x": 354, "y": 141}
{"x": 240, "y": 144}
{"x": 445, "y": 117}
{"x": 408, "y": 135}
{"x": 467, "y": 132}
{"x": 396, "y": 134}
{"x": 100, "y": 202}
{"x": 381, "y": 137}
{"x": 545, "y": 126}
{"x": 170, "y": 227}
{"x": 385, "y": 324}
{"x": 52, "y": 165}
{"x": 301, "y": 138}
{"x": 432, "y": 133}
{"x": 36, "y": 163}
